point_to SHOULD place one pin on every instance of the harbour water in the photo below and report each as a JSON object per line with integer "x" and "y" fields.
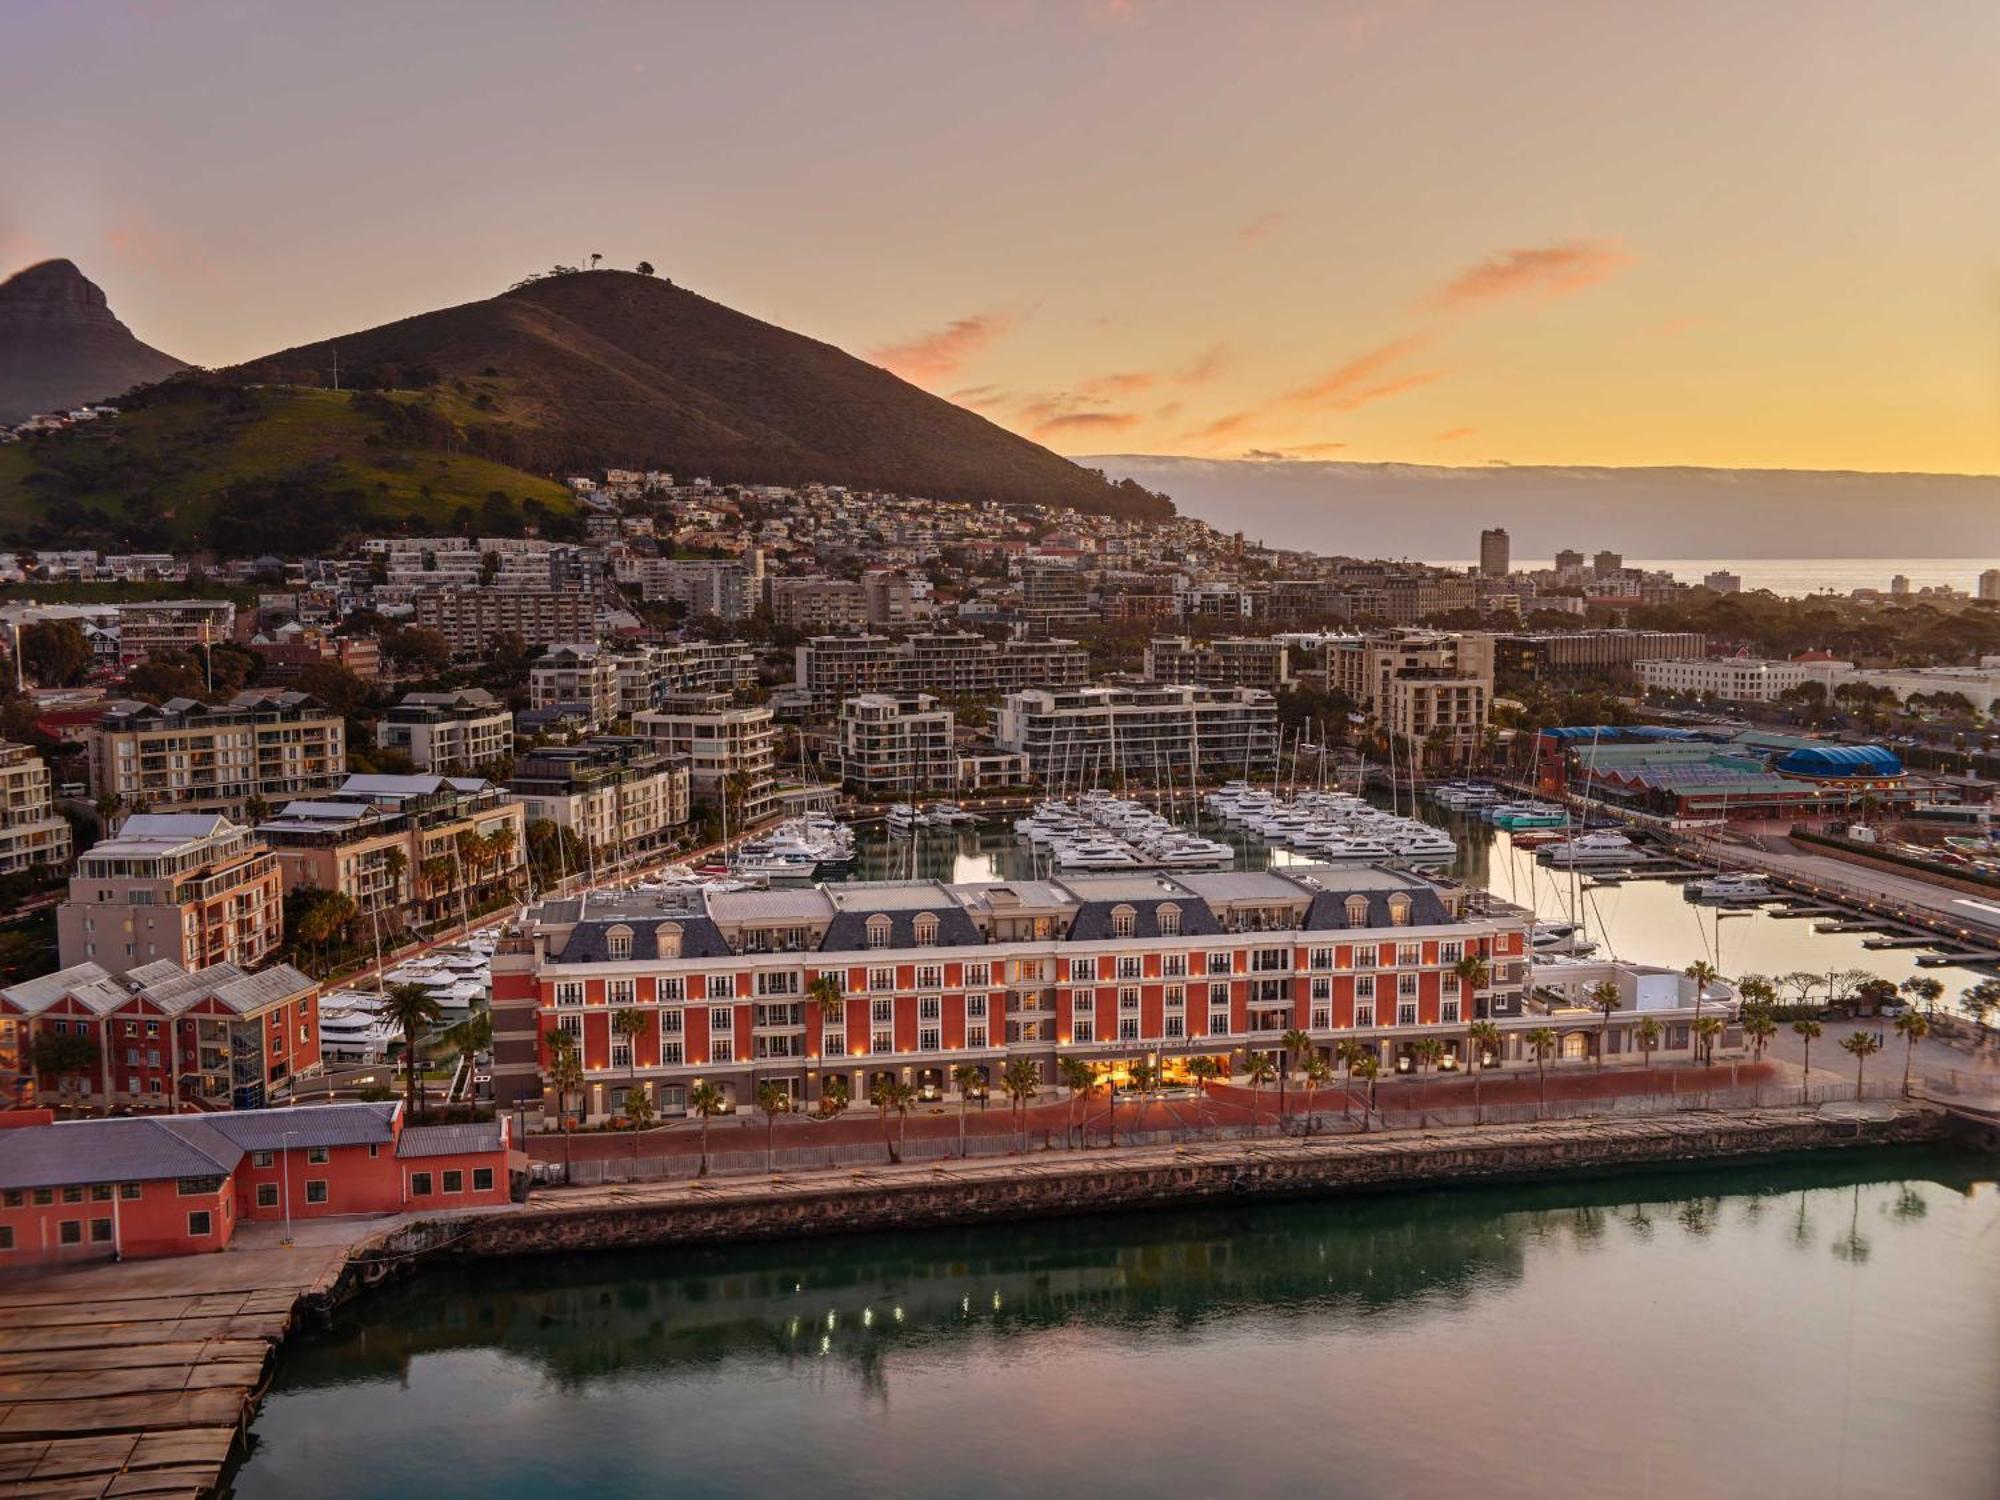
{"x": 1825, "y": 1327}
{"x": 1798, "y": 576}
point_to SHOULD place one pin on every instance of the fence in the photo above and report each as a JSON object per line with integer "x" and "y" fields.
{"x": 859, "y": 1155}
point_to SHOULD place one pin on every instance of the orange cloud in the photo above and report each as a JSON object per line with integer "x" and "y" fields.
{"x": 1258, "y": 230}
{"x": 1354, "y": 384}
{"x": 1453, "y": 434}
{"x": 1205, "y": 367}
{"x": 1222, "y": 427}
{"x": 981, "y": 397}
{"x": 941, "y": 354}
{"x": 1087, "y": 421}
{"x": 1283, "y": 455}
{"x": 1544, "y": 273}
{"x": 1129, "y": 383}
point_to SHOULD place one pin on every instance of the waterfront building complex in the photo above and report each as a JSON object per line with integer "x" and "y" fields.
{"x": 1228, "y": 661}
{"x": 730, "y": 749}
{"x": 1570, "y": 653}
{"x": 952, "y": 664}
{"x": 889, "y": 745}
{"x": 189, "y": 888}
{"x": 259, "y": 746}
{"x": 1735, "y": 679}
{"x": 1431, "y": 689}
{"x": 1154, "y": 731}
{"x": 617, "y": 793}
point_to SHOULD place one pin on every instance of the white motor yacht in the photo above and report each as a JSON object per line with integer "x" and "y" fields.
{"x": 1737, "y": 886}
{"x": 1605, "y": 846}
{"x": 1563, "y": 938}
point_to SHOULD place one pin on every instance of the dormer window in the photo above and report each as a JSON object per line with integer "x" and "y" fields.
{"x": 1357, "y": 911}
{"x": 925, "y": 929}
{"x": 668, "y": 936}
{"x": 1399, "y": 910}
{"x": 878, "y": 931}
{"x": 1124, "y": 921}
{"x": 618, "y": 943}
{"x": 1170, "y": 920}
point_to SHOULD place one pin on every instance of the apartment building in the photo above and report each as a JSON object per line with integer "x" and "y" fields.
{"x": 511, "y": 564}
{"x": 33, "y": 835}
{"x": 1404, "y": 599}
{"x": 1566, "y": 653}
{"x": 619, "y": 794}
{"x": 584, "y": 674}
{"x": 404, "y": 848}
{"x": 731, "y": 750}
{"x": 1109, "y": 969}
{"x": 1495, "y": 552}
{"x": 187, "y": 755}
{"x": 948, "y": 664}
{"x": 1735, "y": 679}
{"x": 289, "y": 650}
{"x": 1431, "y": 689}
{"x": 472, "y": 618}
{"x": 894, "y": 745}
{"x": 448, "y": 733}
{"x": 193, "y": 888}
{"x": 162, "y": 625}
{"x": 1229, "y": 661}
{"x": 727, "y": 588}
{"x": 1150, "y": 731}
{"x": 1054, "y": 593}
{"x": 815, "y": 603}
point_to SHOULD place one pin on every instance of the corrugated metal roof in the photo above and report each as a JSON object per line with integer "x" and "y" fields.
{"x": 448, "y": 1140}
{"x": 307, "y": 1125}
{"x": 44, "y": 990}
{"x": 140, "y": 1149}
{"x": 279, "y": 982}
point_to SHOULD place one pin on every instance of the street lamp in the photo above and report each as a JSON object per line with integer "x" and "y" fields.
{"x": 285, "y": 1166}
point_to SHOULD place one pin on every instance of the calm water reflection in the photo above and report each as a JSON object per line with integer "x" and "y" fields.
{"x": 1821, "y": 1328}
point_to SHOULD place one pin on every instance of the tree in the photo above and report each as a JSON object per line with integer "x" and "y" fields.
{"x": 63, "y": 1058}
{"x": 1318, "y": 1071}
{"x": 565, "y": 1073}
{"x": 639, "y": 1110}
{"x": 1074, "y": 1074}
{"x": 707, "y": 1101}
{"x": 1704, "y": 974}
{"x": 1760, "y": 1028}
{"x": 1429, "y": 1051}
{"x": 1808, "y": 1031}
{"x": 774, "y": 1099}
{"x": 1925, "y": 990}
{"x": 1021, "y": 1080}
{"x": 468, "y": 1038}
{"x": 1649, "y": 1030}
{"x": 966, "y": 1078}
{"x": 1483, "y": 1037}
{"x": 1757, "y": 989}
{"x": 1861, "y": 1046}
{"x": 823, "y": 999}
{"x": 1296, "y": 1044}
{"x": 1542, "y": 1042}
{"x": 414, "y": 1011}
{"x": 1260, "y": 1070}
{"x": 1473, "y": 975}
{"x": 55, "y": 653}
{"x": 833, "y": 1097}
{"x": 889, "y": 1094}
{"x": 1913, "y": 1026}
{"x": 1801, "y": 982}
{"x": 1348, "y": 1053}
{"x": 1979, "y": 1002}
{"x": 1605, "y": 999}
{"x": 644, "y": 268}
{"x": 627, "y": 1023}
{"x": 1369, "y": 1066}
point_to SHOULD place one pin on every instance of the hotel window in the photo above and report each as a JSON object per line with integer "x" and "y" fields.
{"x": 1322, "y": 991}
{"x": 878, "y": 931}
{"x": 722, "y": 1019}
{"x": 1218, "y": 1023}
{"x": 1364, "y": 1014}
{"x": 1399, "y": 910}
{"x": 1357, "y": 911}
{"x": 1364, "y": 958}
{"x": 1406, "y": 1012}
{"x": 316, "y": 1190}
{"x": 929, "y": 1008}
{"x": 670, "y": 1054}
{"x": 673, "y": 989}
{"x": 881, "y": 979}
{"x": 929, "y": 1039}
{"x": 621, "y": 1054}
{"x": 1086, "y": 1031}
{"x": 925, "y": 930}
{"x": 1322, "y": 1018}
{"x": 571, "y": 1025}
{"x": 1448, "y": 1012}
{"x": 881, "y": 1012}
{"x": 1169, "y": 917}
{"x": 618, "y": 943}
{"x": 420, "y": 1184}
{"x": 833, "y": 1041}
{"x": 1174, "y": 965}
{"x": 929, "y": 977}
{"x": 1364, "y": 986}
{"x": 1128, "y": 968}
{"x": 1409, "y": 955}
{"x": 1175, "y": 997}
{"x": 1128, "y": 998}
{"x": 1321, "y": 958}
{"x": 722, "y": 1050}
{"x": 975, "y": 1007}
{"x": 978, "y": 974}
{"x": 670, "y": 1022}
{"x": 1082, "y": 1005}
{"x": 482, "y": 1179}
{"x": 1406, "y": 985}
{"x": 316, "y": 1156}
{"x": 1124, "y": 921}
{"x": 975, "y": 1036}
{"x": 1176, "y": 1026}
{"x": 1082, "y": 970}
{"x": 880, "y": 1040}
{"x": 620, "y": 991}
{"x": 1450, "y": 953}
{"x": 667, "y": 938}
{"x": 1220, "y": 963}
{"x": 200, "y": 1225}
{"x": 569, "y": 992}
{"x": 1128, "y": 1028}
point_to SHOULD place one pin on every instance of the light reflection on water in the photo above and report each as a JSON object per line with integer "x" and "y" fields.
{"x": 1824, "y": 1327}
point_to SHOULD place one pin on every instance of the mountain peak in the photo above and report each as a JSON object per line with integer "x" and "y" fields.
{"x": 61, "y": 345}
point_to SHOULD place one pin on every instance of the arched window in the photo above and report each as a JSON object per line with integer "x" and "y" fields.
{"x": 1170, "y": 919}
{"x": 926, "y": 929}
{"x": 1357, "y": 911}
{"x": 668, "y": 936}
{"x": 1399, "y": 910}
{"x": 1124, "y": 921}
{"x": 878, "y": 931}
{"x": 618, "y": 942}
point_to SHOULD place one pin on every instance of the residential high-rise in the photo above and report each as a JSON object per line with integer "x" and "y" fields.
{"x": 193, "y": 888}
{"x": 183, "y": 754}
{"x": 32, "y": 832}
{"x": 1607, "y": 562}
{"x": 1989, "y": 584}
{"x": 1494, "y": 550}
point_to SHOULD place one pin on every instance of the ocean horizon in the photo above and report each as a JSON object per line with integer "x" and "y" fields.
{"x": 1799, "y": 576}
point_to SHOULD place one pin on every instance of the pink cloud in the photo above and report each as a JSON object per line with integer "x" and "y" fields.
{"x": 1204, "y": 367}
{"x": 1544, "y": 273}
{"x": 941, "y": 354}
{"x": 1453, "y": 434}
{"x": 1355, "y": 383}
{"x": 1258, "y": 230}
{"x": 1128, "y": 383}
{"x": 1087, "y": 421}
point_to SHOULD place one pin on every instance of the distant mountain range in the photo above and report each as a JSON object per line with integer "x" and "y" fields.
{"x": 62, "y": 346}
{"x": 1424, "y": 511}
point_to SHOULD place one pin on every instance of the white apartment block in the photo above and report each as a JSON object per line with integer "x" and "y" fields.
{"x": 895, "y": 745}
{"x": 731, "y": 750}
{"x": 1735, "y": 679}
{"x": 32, "y": 832}
{"x": 1155, "y": 732}
{"x": 448, "y": 733}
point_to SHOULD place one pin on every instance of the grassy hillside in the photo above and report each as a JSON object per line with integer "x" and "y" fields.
{"x": 211, "y": 463}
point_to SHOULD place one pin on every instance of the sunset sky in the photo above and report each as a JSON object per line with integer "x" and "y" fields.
{"x": 1760, "y": 234}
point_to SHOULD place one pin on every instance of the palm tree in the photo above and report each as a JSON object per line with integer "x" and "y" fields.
{"x": 774, "y": 1099}
{"x": 823, "y": 998}
{"x": 412, "y": 1010}
{"x": 395, "y": 864}
{"x": 1648, "y": 1029}
{"x": 1703, "y": 973}
{"x": 834, "y": 1096}
{"x": 467, "y": 1039}
{"x": 1349, "y": 1054}
{"x": 1205, "y": 1070}
{"x": 1318, "y": 1071}
{"x": 1075, "y": 1075}
{"x": 1808, "y": 1031}
{"x": 1604, "y": 998}
{"x": 1473, "y": 976}
{"x": 1482, "y": 1037}
{"x": 639, "y": 1110}
{"x": 707, "y": 1101}
{"x": 628, "y": 1023}
{"x": 1429, "y": 1052}
{"x": 882, "y": 1094}
{"x": 1296, "y": 1044}
{"x": 1260, "y": 1071}
{"x": 565, "y": 1074}
{"x": 1861, "y": 1046}
{"x": 967, "y": 1078}
{"x": 1542, "y": 1042}
{"x": 1145, "y": 1078}
{"x": 1760, "y": 1028}
{"x": 1706, "y": 1030}
{"x": 1368, "y": 1065}
{"x": 1021, "y": 1080}
{"x": 1913, "y": 1026}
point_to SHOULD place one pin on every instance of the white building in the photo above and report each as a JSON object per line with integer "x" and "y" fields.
{"x": 1154, "y": 730}
{"x": 448, "y": 732}
{"x": 895, "y": 745}
{"x": 32, "y": 832}
{"x": 730, "y": 749}
{"x": 1735, "y": 679}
